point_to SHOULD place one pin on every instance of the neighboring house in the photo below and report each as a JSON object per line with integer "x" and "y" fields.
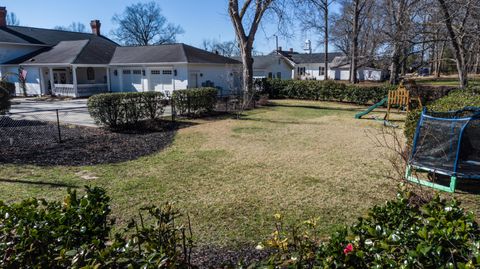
{"x": 340, "y": 70}
{"x": 45, "y": 61}
{"x": 272, "y": 66}
{"x": 312, "y": 66}
{"x": 171, "y": 67}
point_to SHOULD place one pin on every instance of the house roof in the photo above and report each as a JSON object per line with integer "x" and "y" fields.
{"x": 305, "y": 58}
{"x": 344, "y": 62}
{"x": 266, "y": 61}
{"x": 169, "y": 53}
{"x": 94, "y": 51}
{"x": 40, "y": 36}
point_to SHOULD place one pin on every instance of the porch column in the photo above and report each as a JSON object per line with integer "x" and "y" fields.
{"x": 52, "y": 83}
{"x": 108, "y": 79}
{"x": 120, "y": 78}
{"x": 75, "y": 88}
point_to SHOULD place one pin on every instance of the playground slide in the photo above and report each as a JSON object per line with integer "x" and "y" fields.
{"x": 370, "y": 109}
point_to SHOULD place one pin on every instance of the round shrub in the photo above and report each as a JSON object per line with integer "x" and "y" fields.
{"x": 456, "y": 100}
{"x": 194, "y": 101}
{"x": 120, "y": 110}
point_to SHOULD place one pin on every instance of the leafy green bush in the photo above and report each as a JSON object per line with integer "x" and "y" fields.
{"x": 75, "y": 234}
{"x": 400, "y": 234}
{"x": 120, "y": 110}
{"x": 4, "y": 101}
{"x": 324, "y": 91}
{"x": 456, "y": 100}
{"x": 194, "y": 101}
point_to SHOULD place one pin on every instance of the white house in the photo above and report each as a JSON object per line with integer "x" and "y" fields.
{"x": 272, "y": 66}
{"x": 340, "y": 70}
{"x": 172, "y": 67}
{"x": 44, "y": 61}
{"x": 312, "y": 66}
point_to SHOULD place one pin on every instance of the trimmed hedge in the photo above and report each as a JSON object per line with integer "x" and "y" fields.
{"x": 194, "y": 101}
{"x": 456, "y": 100}
{"x": 324, "y": 91}
{"x": 120, "y": 110}
{"x": 399, "y": 234}
{"x": 75, "y": 233}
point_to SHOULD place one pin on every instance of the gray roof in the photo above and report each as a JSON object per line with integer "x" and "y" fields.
{"x": 32, "y": 35}
{"x": 305, "y": 58}
{"x": 170, "y": 53}
{"x": 266, "y": 61}
{"x": 94, "y": 51}
{"x": 344, "y": 62}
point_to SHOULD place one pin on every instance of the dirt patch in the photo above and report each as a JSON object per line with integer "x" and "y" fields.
{"x": 37, "y": 143}
{"x": 222, "y": 257}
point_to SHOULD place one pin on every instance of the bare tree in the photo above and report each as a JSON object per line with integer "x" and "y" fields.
{"x": 12, "y": 19}
{"x": 143, "y": 24}
{"x": 315, "y": 15}
{"x": 462, "y": 31}
{"x": 225, "y": 48}
{"x": 246, "y": 20}
{"x": 73, "y": 27}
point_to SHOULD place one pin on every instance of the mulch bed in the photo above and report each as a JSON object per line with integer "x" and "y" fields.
{"x": 36, "y": 143}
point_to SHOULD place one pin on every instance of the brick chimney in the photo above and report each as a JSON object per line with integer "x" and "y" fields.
{"x": 291, "y": 49}
{"x": 3, "y": 16}
{"x": 95, "y": 24}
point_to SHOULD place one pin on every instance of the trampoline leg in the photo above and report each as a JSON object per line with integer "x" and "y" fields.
{"x": 411, "y": 178}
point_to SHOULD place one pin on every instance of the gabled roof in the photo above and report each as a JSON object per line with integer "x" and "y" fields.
{"x": 94, "y": 51}
{"x": 169, "y": 53}
{"x": 32, "y": 35}
{"x": 266, "y": 61}
{"x": 305, "y": 58}
{"x": 344, "y": 62}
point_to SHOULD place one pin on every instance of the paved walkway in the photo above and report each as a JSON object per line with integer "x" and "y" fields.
{"x": 70, "y": 111}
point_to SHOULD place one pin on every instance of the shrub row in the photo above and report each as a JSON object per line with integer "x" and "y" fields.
{"x": 323, "y": 91}
{"x": 194, "y": 101}
{"x": 76, "y": 234}
{"x": 400, "y": 234}
{"x": 118, "y": 110}
{"x": 455, "y": 100}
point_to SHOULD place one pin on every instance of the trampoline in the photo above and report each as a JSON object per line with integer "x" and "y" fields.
{"x": 448, "y": 144}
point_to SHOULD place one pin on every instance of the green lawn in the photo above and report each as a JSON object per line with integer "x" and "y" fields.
{"x": 302, "y": 159}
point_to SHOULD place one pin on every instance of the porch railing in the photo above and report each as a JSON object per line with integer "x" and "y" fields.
{"x": 82, "y": 90}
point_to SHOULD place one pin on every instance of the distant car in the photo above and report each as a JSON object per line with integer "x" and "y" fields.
{"x": 424, "y": 71}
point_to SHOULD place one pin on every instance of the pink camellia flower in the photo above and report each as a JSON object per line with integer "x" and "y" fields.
{"x": 348, "y": 249}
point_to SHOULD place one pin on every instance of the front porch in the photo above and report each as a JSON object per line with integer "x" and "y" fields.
{"x": 75, "y": 81}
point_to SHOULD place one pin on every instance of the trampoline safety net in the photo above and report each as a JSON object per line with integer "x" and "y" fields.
{"x": 448, "y": 143}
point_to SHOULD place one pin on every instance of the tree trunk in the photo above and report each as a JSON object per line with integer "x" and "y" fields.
{"x": 353, "y": 62}
{"x": 326, "y": 40}
{"x": 395, "y": 66}
{"x": 247, "y": 61}
{"x": 457, "y": 46}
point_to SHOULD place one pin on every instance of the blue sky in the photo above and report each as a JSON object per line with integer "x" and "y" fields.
{"x": 201, "y": 19}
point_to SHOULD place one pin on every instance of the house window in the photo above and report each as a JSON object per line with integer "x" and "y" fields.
{"x": 270, "y": 75}
{"x": 279, "y": 75}
{"x": 321, "y": 71}
{"x": 126, "y": 72}
{"x": 155, "y": 72}
{"x": 167, "y": 72}
{"x": 90, "y": 73}
{"x": 301, "y": 71}
{"x": 137, "y": 72}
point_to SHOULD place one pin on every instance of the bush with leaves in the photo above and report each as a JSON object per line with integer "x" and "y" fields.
{"x": 399, "y": 234}
{"x": 122, "y": 110}
{"x": 455, "y": 100}
{"x": 75, "y": 234}
{"x": 195, "y": 101}
{"x": 324, "y": 91}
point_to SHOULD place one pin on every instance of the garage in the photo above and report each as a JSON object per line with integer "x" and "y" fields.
{"x": 132, "y": 79}
{"x": 161, "y": 80}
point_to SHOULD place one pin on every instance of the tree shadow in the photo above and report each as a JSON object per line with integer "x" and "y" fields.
{"x": 350, "y": 109}
{"x": 42, "y": 183}
{"x": 471, "y": 186}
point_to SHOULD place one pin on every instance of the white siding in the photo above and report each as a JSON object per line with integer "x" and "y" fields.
{"x": 32, "y": 83}
{"x": 11, "y": 51}
{"x": 223, "y": 76}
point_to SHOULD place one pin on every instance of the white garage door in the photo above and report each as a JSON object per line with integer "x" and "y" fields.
{"x": 132, "y": 80}
{"x": 161, "y": 80}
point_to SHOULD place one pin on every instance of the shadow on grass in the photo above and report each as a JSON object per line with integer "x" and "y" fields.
{"x": 471, "y": 186}
{"x": 42, "y": 183}
{"x": 350, "y": 109}
{"x": 82, "y": 146}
